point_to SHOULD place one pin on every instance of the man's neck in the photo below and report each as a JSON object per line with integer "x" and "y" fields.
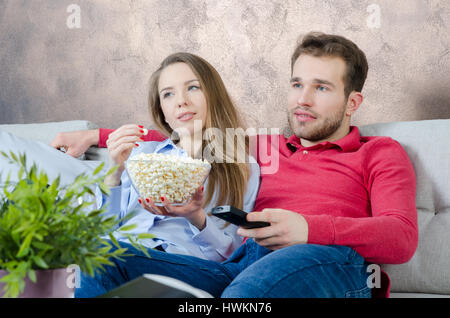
{"x": 338, "y": 134}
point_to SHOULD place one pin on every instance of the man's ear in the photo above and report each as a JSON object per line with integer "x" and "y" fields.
{"x": 354, "y": 100}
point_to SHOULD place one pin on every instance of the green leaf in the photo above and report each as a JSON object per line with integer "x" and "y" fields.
{"x": 99, "y": 168}
{"x": 112, "y": 170}
{"x": 55, "y": 183}
{"x": 114, "y": 240}
{"x": 145, "y": 236}
{"x": 95, "y": 213}
{"x": 25, "y": 246}
{"x": 13, "y": 156}
{"x": 32, "y": 275}
{"x": 104, "y": 188}
{"x": 41, "y": 245}
{"x": 127, "y": 227}
{"x": 40, "y": 262}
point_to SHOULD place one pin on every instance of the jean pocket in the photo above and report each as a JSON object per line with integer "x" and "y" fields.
{"x": 364, "y": 292}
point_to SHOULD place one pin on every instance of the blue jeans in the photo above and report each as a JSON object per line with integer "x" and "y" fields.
{"x": 252, "y": 271}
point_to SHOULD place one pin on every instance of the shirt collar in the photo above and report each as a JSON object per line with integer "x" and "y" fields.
{"x": 168, "y": 146}
{"x": 348, "y": 143}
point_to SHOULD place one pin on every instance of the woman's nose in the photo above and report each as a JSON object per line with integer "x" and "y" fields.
{"x": 182, "y": 100}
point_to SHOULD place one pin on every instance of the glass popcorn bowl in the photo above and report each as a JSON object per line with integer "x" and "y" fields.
{"x": 162, "y": 175}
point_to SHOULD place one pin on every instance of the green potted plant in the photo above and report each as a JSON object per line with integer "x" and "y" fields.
{"x": 46, "y": 228}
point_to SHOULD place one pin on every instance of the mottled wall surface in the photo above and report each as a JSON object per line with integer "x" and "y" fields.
{"x": 100, "y": 71}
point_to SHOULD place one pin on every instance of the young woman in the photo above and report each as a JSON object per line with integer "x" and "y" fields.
{"x": 188, "y": 102}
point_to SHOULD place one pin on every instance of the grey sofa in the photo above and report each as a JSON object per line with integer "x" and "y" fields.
{"x": 427, "y": 143}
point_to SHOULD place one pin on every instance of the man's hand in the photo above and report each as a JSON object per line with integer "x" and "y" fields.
{"x": 286, "y": 228}
{"x": 76, "y": 142}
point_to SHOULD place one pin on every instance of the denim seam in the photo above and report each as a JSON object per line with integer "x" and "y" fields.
{"x": 301, "y": 269}
{"x": 203, "y": 268}
{"x": 353, "y": 293}
{"x": 228, "y": 273}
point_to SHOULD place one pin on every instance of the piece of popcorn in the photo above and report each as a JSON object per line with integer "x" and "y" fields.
{"x": 173, "y": 177}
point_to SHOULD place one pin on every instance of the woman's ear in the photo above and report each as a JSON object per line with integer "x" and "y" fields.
{"x": 354, "y": 100}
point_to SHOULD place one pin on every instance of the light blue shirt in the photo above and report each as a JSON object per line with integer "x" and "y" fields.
{"x": 176, "y": 234}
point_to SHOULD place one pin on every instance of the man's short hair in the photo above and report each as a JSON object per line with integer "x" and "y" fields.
{"x": 320, "y": 44}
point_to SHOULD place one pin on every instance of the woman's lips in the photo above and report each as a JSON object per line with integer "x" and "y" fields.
{"x": 186, "y": 116}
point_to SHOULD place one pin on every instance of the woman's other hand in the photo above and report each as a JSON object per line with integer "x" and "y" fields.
{"x": 192, "y": 210}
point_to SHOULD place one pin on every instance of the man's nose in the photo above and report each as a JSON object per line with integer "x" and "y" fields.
{"x": 306, "y": 97}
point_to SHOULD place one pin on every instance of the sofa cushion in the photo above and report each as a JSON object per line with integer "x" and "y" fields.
{"x": 428, "y": 146}
{"x": 54, "y": 162}
{"x": 45, "y": 132}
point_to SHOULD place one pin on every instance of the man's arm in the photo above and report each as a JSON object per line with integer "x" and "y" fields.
{"x": 390, "y": 235}
{"x": 76, "y": 143}
{"x": 152, "y": 135}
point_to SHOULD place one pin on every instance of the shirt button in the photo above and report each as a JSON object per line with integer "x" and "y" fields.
{"x": 305, "y": 152}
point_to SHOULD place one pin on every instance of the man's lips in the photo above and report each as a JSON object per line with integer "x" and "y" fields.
{"x": 303, "y": 116}
{"x": 185, "y": 116}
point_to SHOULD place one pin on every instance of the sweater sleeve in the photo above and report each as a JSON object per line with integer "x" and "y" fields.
{"x": 153, "y": 135}
{"x": 390, "y": 234}
{"x": 103, "y": 136}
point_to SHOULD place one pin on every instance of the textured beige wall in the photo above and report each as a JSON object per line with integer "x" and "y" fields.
{"x": 100, "y": 71}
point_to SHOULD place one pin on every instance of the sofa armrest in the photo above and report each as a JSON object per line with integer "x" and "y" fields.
{"x": 45, "y": 132}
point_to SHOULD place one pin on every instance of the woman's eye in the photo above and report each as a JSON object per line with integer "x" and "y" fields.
{"x": 165, "y": 95}
{"x": 193, "y": 87}
{"x": 297, "y": 85}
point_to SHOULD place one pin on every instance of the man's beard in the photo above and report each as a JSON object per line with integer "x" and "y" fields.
{"x": 318, "y": 130}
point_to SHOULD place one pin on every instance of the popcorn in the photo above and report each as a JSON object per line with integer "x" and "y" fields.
{"x": 175, "y": 178}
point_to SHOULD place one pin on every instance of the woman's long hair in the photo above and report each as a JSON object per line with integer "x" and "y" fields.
{"x": 230, "y": 175}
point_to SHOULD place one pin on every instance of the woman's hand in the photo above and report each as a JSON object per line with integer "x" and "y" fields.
{"x": 192, "y": 210}
{"x": 120, "y": 143}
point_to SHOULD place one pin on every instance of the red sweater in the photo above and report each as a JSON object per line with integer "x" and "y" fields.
{"x": 358, "y": 191}
{"x": 153, "y": 135}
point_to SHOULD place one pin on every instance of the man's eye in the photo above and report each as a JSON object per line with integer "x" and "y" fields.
{"x": 297, "y": 85}
{"x": 322, "y": 88}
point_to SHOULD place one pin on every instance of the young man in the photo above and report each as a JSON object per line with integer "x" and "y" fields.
{"x": 338, "y": 201}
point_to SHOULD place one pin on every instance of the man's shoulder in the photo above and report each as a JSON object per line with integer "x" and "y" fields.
{"x": 381, "y": 143}
{"x": 383, "y": 151}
